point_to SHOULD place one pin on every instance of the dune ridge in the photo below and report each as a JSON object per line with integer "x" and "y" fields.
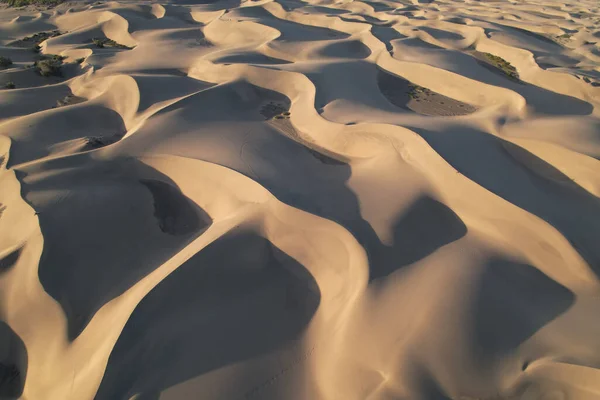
{"x": 297, "y": 199}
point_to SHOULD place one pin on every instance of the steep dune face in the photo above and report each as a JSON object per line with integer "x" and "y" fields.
{"x": 300, "y": 200}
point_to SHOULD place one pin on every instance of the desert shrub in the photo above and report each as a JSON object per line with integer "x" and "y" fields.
{"x": 49, "y": 65}
{"x": 502, "y": 65}
{"x": 5, "y": 62}
{"x": 106, "y": 42}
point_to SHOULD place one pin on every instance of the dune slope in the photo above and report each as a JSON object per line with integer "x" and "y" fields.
{"x": 300, "y": 199}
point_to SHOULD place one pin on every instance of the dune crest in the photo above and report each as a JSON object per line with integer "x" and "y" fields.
{"x": 272, "y": 199}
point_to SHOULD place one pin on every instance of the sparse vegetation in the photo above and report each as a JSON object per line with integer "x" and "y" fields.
{"x": 80, "y": 60}
{"x": 49, "y": 65}
{"x": 275, "y": 111}
{"x": 416, "y": 90}
{"x": 106, "y": 42}
{"x": 562, "y": 39}
{"x": 23, "y": 3}
{"x": 500, "y": 63}
{"x": 68, "y": 100}
{"x": 95, "y": 142}
{"x": 5, "y": 62}
{"x": 33, "y": 41}
{"x": 9, "y": 85}
{"x": 39, "y": 37}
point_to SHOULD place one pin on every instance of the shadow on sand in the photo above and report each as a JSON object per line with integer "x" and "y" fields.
{"x": 239, "y": 298}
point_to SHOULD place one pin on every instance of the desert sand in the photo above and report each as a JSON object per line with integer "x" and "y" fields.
{"x": 300, "y": 200}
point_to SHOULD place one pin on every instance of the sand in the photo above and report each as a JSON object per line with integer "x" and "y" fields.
{"x": 300, "y": 200}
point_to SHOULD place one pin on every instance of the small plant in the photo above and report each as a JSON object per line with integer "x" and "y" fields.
{"x": 9, "y": 85}
{"x": 503, "y": 65}
{"x": 50, "y": 65}
{"x": 106, "y": 42}
{"x": 5, "y": 62}
{"x": 80, "y": 60}
{"x": 68, "y": 100}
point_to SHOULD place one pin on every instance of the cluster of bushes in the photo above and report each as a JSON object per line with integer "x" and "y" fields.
{"x": 38, "y": 38}
{"x": 49, "y": 65}
{"x": 22, "y": 3}
{"x": 5, "y": 62}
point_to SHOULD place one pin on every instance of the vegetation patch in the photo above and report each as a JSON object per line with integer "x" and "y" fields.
{"x": 33, "y": 41}
{"x": 95, "y": 142}
{"x": 5, "y": 62}
{"x": 49, "y": 65}
{"x": 416, "y": 91}
{"x": 563, "y": 39}
{"x": 10, "y": 85}
{"x": 500, "y": 63}
{"x": 69, "y": 99}
{"x": 23, "y": 3}
{"x": 274, "y": 111}
{"x": 106, "y": 42}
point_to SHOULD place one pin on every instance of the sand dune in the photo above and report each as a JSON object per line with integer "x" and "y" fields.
{"x": 291, "y": 199}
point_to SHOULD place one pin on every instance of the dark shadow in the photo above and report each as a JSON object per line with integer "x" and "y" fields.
{"x": 9, "y": 260}
{"x": 544, "y": 49}
{"x": 354, "y": 49}
{"x": 61, "y": 125}
{"x": 440, "y": 34}
{"x": 102, "y": 237}
{"x": 363, "y": 18}
{"x": 312, "y": 181}
{"x": 210, "y": 5}
{"x": 513, "y": 302}
{"x": 249, "y": 57}
{"x": 325, "y": 10}
{"x": 540, "y": 100}
{"x": 408, "y": 96}
{"x": 386, "y": 35}
{"x": 426, "y": 385}
{"x": 423, "y": 228}
{"x": 175, "y": 213}
{"x": 238, "y": 298}
{"x": 13, "y": 363}
{"x": 290, "y": 30}
{"x": 525, "y": 180}
{"x": 331, "y": 83}
{"x": 378, "y": 7}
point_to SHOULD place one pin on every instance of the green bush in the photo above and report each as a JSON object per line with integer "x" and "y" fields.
{"x": 106, "y": 42}
{"x": 502, "y": 65}
{"x": 5, "y": 62}
{"x": 50, "y": 65}
{"x": 9, "y": 85}
{"x": 22, "y": 3}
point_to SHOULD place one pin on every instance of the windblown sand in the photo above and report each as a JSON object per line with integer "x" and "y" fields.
{"x": 300, "y": 200}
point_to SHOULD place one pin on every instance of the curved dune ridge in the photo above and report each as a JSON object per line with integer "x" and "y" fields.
{"x": 295, "y": 199}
